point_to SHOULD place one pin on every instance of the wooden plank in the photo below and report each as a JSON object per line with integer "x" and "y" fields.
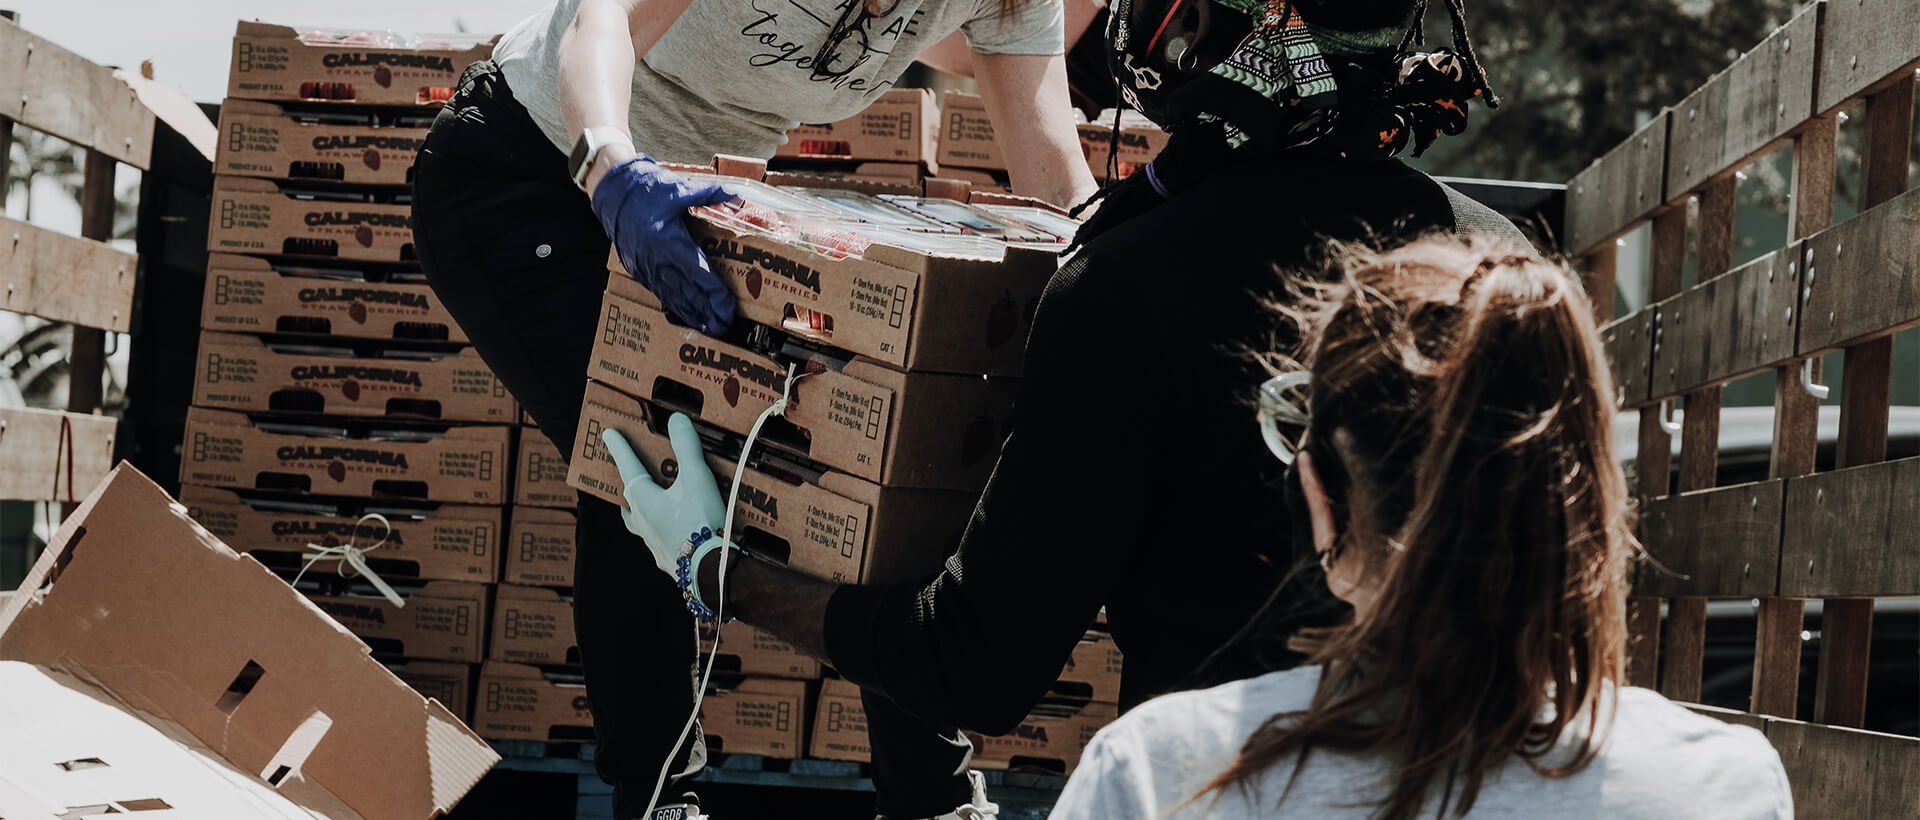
{"x": 1864, "y": 43}
{"x": 1846, "y": 774}
{"x": 67, "y": 279}
{"x": 1727, "y": 328}
{"x": 1866, "y": 388}
{"x": 1643, "y": 642}
{"x": 1717, "y": 202}
{"x": 1889, "y": 140}
{"x": 1852, "y": 532}
{"x": 1742, "y": 111}
{"x": 1669, "y": 256}
{"x": 1602, "y": 281}
{"x": 1629, "y": 346}
{"x": 1686, "y": 646}
{"x": 48, "y": 88}
{"x": 30, "y": 444}
{"x": 1618, "y": 189}
{"x": 1722, "y": 543}
{"x": 1653, "y": 458}
{"x": 1861, "y": 278}
{"x": 87, "y": 357}
{"x": 1700, "y": 440}
{"x": 1776, "y": 656}
{"x": 1846, "y": 644}
{"x": 1733, "y": 716}
{"x": 1815, "y": 159}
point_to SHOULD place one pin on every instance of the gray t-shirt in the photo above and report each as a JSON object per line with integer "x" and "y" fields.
{"x": 1660, "y": 761}
{"x": 733, "y": 76}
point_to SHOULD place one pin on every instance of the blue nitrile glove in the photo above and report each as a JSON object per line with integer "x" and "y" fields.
{"x": 641, "y": 205}
{"x": 667, "y": 518}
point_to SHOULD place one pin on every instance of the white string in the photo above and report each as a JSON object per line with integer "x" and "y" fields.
{"x": 351, "y": 557}
{"x": 720, "y": 595}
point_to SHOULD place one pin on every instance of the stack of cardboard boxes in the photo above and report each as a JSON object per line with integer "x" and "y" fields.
{"x": 336, "y": 403}
{"x": 968, "y": 150}
{"x": 888, "y": 147}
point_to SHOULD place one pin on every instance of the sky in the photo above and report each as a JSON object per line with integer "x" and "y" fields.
{"x": 189, "y": 40}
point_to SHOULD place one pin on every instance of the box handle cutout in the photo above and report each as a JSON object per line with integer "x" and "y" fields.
{"x": 81, "y": 764}
{"x": 293, "y": 753}
{"x": 241, "y": 686}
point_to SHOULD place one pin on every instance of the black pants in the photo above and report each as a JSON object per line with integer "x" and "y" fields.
{"x": 516, "y": 255}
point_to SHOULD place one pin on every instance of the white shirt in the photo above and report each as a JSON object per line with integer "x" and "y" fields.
{"x": 733, "y": 76}
{"x": 1659, "y": 761}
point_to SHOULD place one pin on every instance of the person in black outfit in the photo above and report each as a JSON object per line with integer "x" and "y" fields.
{"x": 1134, "y": 478}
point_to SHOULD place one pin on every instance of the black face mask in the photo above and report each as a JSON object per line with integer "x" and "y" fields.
{"x": 1155, "y": 47}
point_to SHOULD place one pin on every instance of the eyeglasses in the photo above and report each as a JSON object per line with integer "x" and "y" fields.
{"x": 1283, "y": 413}
{"x": 852, "y": 23}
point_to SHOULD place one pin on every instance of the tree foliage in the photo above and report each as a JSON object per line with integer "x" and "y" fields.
{"x": 1578, "y": 77}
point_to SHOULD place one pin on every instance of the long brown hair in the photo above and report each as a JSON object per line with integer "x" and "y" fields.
{"x": 1462, "y": 390}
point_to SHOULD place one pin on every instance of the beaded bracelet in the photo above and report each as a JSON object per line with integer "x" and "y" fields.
{"x": 698, "y": 546}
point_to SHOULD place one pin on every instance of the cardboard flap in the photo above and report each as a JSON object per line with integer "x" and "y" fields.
{"x": 174, "y": 624}
{"x": 516, "y": 592}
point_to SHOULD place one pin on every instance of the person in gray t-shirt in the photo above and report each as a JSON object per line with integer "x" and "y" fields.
{"x": 549, "y": 154}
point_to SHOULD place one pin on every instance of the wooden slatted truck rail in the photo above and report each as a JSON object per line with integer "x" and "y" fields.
{"x": 79, "y": 280}
{"x": 1845, "y": 536}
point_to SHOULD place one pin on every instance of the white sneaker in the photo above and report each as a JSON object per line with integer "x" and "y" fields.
{"x": 678, "y": 811}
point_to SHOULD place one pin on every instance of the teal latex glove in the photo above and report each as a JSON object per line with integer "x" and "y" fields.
{"x": 667, "y": 518}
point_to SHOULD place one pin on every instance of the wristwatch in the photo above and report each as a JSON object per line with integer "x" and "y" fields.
{"x": 591, "y": 142}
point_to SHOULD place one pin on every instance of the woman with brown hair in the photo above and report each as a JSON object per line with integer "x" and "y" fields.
{"x": 1455, "y": 467}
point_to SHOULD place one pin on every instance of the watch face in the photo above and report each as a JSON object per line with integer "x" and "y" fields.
{"x": 577, "y": 161}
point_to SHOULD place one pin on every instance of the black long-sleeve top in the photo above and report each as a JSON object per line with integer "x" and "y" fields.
{"x": 1136, "y": 477}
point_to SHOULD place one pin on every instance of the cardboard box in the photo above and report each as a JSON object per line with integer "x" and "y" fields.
{"x": 891, "y": 428}
{"x": 758, "y": 716}
{"x": 903, "y": 308}
{"x": 280, "y": 63}
{"x": 896, "y": 127}
{"x": 246, "y": 294}
{"x": 440, "y": 621}
{"x": 231, "y": 450}
{"x": 237, "y": 372}
{"x": 518, "y": 702}
{"x": 534, "y": 626}
{"x": 966, "y": 134}
{"x": 1139, "y": 144}
{"x": 154, "y": 690}
{"x": 866, "y": 177}
{"x": 540, "y": 476}
{"x": 540, "y": 547}
{"x": 260, "y": 139}
{"x": 449, "y": 683}
{"x": 449, "y": 542}
{"x": 751, "y": 651}
{"x": 1092, "y": 671}
{"x": 1043, "y": 741}
{"x": 263, "y": 217}
{"x": 840, "y": 724}
{"x": 829, "y": 525}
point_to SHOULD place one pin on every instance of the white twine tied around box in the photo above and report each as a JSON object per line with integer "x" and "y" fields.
{"x": 352, "y": 559}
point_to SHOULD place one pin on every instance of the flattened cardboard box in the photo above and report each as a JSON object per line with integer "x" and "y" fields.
{"x": 533, "y": 626}
{"x": 442, "y": 620}
{"x": 832, "y": 526}
{"x": 450, "y": 542}
{"x": 540, "y": 547}
{"x": 540, "y": 475}
{"x": 519, "y": 702}
{"x": 275, "y": 63}
{"x": 1093, "y": 670}
{"x": 896, "y": 127}
{"x": 260, "y": 139}
{"x": 449, "y": 683}
{"x": 888, "y": 427}
{"x": 1047, "y": 741}
{"x": 258, "y": 216}
{"x": 244, "y": 373}
{"x": 760, "y": 716}
{"x": 966, "y": 134}
{"x": 754, "y": 652}
{"x": 461, "y": 465}
{"x": 246, "y": 294}
{"x": 247, "y": 703}
{"x": 840, "y": 724}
